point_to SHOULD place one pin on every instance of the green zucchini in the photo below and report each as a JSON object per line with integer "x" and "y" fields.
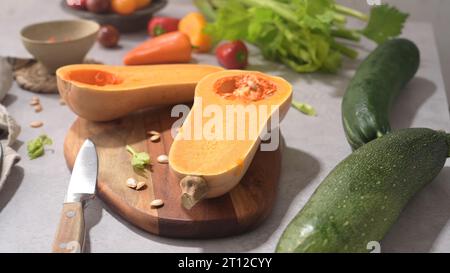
{"x": 362, "y": 197}
{"x": 376, "y": 84}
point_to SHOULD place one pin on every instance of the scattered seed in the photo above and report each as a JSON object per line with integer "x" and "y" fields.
{"x": 37, "y": 108}
{"x": 157, "y": 203}
{"x": 131, "y": 183}
{"x": 152, "y": 133}
{"x": 140, "y": 185}
{"x": 36, "y": 124}
{"x": 62, "y": 102}
{"x": 163, "y": 159}
{"x": 34, "y": 102}
{"x": 155, "y": 138}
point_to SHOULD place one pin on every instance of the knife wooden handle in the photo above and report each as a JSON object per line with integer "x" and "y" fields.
{"x": 70, "y": 235}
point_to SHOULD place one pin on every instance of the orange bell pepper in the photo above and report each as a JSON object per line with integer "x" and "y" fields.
{"x": 173, "y": 47}
{"x": 193, "y": 25}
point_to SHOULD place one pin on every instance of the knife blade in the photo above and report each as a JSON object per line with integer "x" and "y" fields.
{"x": 84, "y": 174}
{"x": 71, "y": 231}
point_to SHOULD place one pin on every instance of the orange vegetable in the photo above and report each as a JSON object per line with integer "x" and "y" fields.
{"x": 173, "y": 47}
{"x": 102, "y": 92}
{"x": 124, "y": 7}
{"x": 211, "y": 166}
{"x": 193, "y": 25}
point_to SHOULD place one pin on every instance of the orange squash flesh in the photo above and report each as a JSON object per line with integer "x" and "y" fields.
{"x": 102, "y": 93}
{"x": 222, "y": 161}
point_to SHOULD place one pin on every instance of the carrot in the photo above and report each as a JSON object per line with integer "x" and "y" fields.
{"x": 173, "y": 47}
{"x": 192, "y": 25}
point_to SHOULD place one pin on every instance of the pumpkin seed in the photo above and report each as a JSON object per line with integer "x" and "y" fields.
{"x": 153, "y": 132}
{"x": 163, "y": 159}
{"x": 140, "y": 185}
{"x": 157, "y": 203}
{"x": 155, "y": 138}
{"x": 131, "y": 183}
{"x": 37, "y": 108}
{"x": 36, "y": 124}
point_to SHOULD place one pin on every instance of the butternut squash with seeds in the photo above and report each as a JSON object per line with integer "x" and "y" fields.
{"x": 221, "y": 134}
{"x": 102, "y": 93}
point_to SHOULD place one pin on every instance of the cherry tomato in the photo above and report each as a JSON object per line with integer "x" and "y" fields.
{"x": 108, "y": 36}
{"x": 232, "y": 55}
{"x": 161, "y": 25}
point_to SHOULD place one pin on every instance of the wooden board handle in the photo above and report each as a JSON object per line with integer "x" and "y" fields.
{"x": 70, "y": 235}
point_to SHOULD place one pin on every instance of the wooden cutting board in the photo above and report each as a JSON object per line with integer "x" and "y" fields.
{"x": 242, "y": 209}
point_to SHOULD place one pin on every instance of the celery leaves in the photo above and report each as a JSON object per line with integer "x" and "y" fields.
{"x": 306, "y": 35}
{"x": 385, "y": 22}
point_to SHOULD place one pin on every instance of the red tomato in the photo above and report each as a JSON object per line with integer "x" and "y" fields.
{"x": 108, "y": 36}
{"x": 161, "y": 25}
{"x": 77, "y": 4}
{"x": 232, "y": 55}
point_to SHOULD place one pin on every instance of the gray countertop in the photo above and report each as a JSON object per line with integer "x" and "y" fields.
{"x": 31, "y": 199}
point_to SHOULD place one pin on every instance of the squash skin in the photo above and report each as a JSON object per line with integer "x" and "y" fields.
{"x": 168, "y": 84}
{"x": 223, "y": 181}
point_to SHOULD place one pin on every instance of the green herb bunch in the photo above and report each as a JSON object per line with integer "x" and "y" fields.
{"x": 306, "y": 35}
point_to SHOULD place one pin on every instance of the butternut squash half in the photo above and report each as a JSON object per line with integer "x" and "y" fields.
{"x": 102, "y": 93}
{"x": 221, "y": 134}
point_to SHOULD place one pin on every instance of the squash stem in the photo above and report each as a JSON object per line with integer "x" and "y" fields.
{"x": 194, "y": 189}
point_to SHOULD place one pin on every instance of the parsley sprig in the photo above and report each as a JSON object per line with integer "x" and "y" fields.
{"x": 35, "y": 147}
{"x": 139, "y": 160}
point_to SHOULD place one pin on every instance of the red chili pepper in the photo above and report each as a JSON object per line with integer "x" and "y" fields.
{"x": 233, "y": 55}
{"x": 161, "y": 25}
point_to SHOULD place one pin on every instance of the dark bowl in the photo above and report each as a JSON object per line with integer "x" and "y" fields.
{"x": 124, "y": 23}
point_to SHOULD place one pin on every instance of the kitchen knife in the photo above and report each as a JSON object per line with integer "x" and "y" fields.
{"x": 71, "y": 231}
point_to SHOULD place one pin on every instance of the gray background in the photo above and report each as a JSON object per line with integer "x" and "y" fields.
{"x": 435, "y": 12}
{"x": 31, "y": 200}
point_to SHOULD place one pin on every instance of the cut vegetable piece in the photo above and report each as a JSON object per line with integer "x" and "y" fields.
{"x": 304, "y": 108}
{"x": 101, "y": 92}
{"x": 221, "y": 134}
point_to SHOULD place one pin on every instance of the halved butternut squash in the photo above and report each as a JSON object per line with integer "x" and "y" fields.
{"x": 101, "y": 92}
{"x": 221, "y": 134}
